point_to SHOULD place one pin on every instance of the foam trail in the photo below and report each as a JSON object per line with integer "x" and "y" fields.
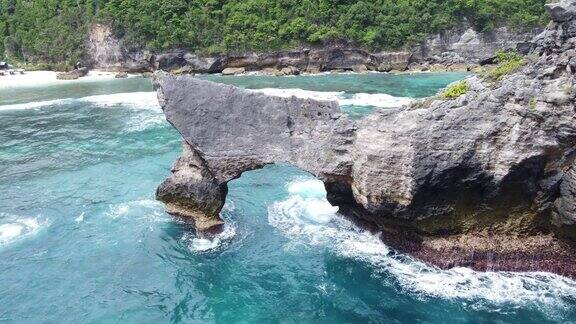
{"x": 147, "y": 209}
{"x": 138, "y": 100}
{"x": 299, "y": 93}
{"x": 199, "y": 244}
{"x": 135, "y": 100}
{"x": 13, "y": 228}
{"x": 307, "y": 217}
{"x": 36, "y": 104}
{"x": 380, "y": 100}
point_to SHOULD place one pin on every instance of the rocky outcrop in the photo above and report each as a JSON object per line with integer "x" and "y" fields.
{"x": 72, "y": 75}
{"x": 110, "y": 53}
{"x": 485, "y": 180}
{"x": 233, "y": 71}
{"x": 467, "y": 46}
{"x": 228, "y": 131}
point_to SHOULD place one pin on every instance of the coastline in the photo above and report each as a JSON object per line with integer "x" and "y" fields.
{"x": 481, "y": 250}
{"x": 46, "y": 78}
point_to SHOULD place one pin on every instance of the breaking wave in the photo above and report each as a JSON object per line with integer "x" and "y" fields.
{"x": 13, "y": 228}
{"x": 380, "y": 100}
{"x": 36, "y": 104}
{"x": 149, "y": 101}
{"x": 308, "y": 218}
{"x": 200, "y": 244}
{"x": 134, "y": 100}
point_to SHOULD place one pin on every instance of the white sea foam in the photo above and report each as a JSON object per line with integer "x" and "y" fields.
{"x": 134, "y": 100}
{"x": 299, "y": 93}
{"x": 13, "y": 228}
{"x": 137, "y": 100}
{"x": 80, "y": 218}
{"x": 151, "y": 210}
{"x": 308, "y": 219}
{"x": 140, "y": 122}
{"x": 36, "y": 104}
{"x": 380, "y": 100}
{"x": 199, "y": 244}
{"x": 48, "y": 78}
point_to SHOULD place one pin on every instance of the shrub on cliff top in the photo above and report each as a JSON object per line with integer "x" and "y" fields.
{"x": 456, "y": 90}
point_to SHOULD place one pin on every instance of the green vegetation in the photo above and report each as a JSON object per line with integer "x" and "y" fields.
{"x": 567, "y": 89}
{"x": 54, "y": 31}
{"x": 508, "y": 62}
{"x": 456, "y": 90}
{"x": 532, "y": 103}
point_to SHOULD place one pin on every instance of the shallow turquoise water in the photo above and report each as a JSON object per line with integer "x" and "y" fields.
{"x": 358, "y": 94}
{"x": 83, "y": 240}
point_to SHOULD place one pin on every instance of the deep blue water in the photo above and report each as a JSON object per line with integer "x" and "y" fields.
{"x": 83, "y": 240}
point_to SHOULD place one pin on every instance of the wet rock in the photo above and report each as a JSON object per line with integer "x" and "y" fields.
{"x": 562, "y": 11}
{"x": 360, "y": 68}
{"x": 183, "y": 70}
{"x": 313, "y": 70}
{"x": 121, "y": 75}
{"x": 290, "y": 70}
{"x": 233, "y": 71}
{"x": 193, "y": 193}
{"x": 72, "y": 75}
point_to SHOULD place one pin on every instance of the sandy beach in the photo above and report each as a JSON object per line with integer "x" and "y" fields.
{"x": 46, "y": 78}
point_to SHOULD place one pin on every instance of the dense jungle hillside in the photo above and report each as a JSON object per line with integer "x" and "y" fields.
{"x": 55, "y": 31}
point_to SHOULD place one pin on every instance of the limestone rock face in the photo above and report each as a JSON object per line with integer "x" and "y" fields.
{"x": 468, "y": 46}
{"x": 228, "y": 131}
{"x": 110, "y": 53}
{"x": 498, "y": 159}
{"x": 563, "y": 11}
{"x": 503, "y": 151}
{"x": 233, "y": 71}
{"x": 192, "y": 191}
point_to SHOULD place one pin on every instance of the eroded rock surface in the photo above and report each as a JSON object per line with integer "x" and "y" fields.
{"x": 228, "y": 131}
{"x": 73, "y": 75}
{"x": 457, "y": 49}
{"x": 485, "y": 180}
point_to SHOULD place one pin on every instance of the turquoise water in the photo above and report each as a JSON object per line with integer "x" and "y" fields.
{"x": 358, "y": 95}
{"x": 83, "y": 240}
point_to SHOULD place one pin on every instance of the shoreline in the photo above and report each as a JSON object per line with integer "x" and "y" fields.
{"x": 47, "y": 78}
{"x": 482, "y": 250}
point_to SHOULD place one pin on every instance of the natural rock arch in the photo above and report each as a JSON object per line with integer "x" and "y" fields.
{"x": 228, "y": 131}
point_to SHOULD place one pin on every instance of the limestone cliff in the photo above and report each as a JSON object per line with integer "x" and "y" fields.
{"x": 457, "y": 49}
{"x": 485, "y": 180}
{"x": 109, "y": 53}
